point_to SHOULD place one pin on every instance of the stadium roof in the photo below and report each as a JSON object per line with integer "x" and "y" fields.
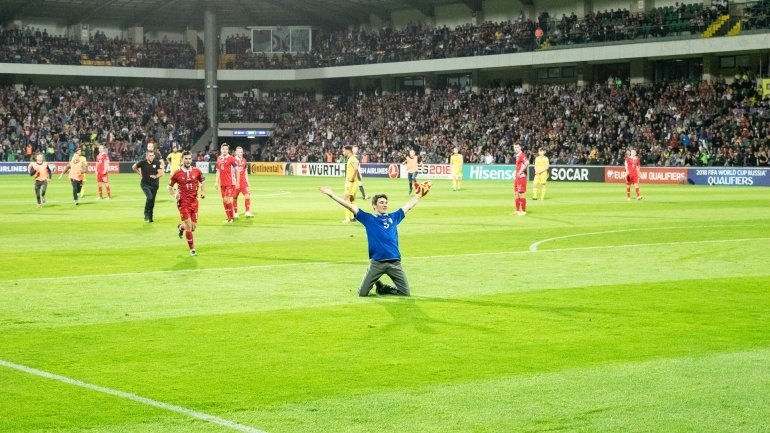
{"x": 181, "y": 14}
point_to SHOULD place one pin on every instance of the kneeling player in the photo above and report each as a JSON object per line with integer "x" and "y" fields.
{"x": 188, "y": 179}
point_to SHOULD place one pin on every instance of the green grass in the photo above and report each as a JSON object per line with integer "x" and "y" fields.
{"x": 628, "y": 317}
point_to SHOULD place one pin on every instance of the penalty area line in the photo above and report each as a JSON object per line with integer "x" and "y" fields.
{"x": 133, "y": 397}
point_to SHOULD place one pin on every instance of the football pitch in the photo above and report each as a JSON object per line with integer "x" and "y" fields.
{"x": 590, "y": 314}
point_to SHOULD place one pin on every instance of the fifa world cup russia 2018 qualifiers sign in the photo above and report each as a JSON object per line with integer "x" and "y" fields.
{"x": 729, "y": 176}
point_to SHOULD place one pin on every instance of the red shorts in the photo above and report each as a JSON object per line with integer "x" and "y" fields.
{"x": 188, "y": 210}
{"x": 520, "y": 185}
{"x": 244, "y": 189}
{"x": 632, "y": 179}
{"x": 227, "y": 190}
{"x": 103, "y": 178}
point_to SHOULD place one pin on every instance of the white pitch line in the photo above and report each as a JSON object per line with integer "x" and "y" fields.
{"x": 533, "y": 247}
{"x": 133, "y": 397}
{"x": 657, "y": 244}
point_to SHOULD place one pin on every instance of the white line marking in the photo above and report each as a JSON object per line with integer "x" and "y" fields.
{"x": 600, "y": 247}
{"x": 133, "y": 397}
{"x": 533, "y": 247}
{"x": 347, "y": 262}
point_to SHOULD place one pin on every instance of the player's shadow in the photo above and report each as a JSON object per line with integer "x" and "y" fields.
{"x": 407, "y": 311}
{"x": 185, "y": 262}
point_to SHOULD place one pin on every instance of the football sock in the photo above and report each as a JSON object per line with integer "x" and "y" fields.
{"x": 348, "y": 215}
{"x": 454, "y": 184}
{"x": 518, "y": 204}
{"x": 542, "y": 192}
{"x": 100, "y": 191}
{"x": 523, "y": 204}
{"x": 361, "y": 188}
{"x": 190, "y": 242}
{"x": 247, "y": 204}
{"x": 229, "y": 210}
{"x": 628, "y": 191}
{"x": 109, "y": 194}
{"x": 235, "y": 205}
{"x": 637, "y": 191}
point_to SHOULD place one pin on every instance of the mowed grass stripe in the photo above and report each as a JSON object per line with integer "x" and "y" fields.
{"x": 304, "y": 353}
{"x": 586, "y": 399}
{"x": 123, "y": 298}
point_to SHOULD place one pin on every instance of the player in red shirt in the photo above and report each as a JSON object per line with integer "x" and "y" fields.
{"x": 633, "y": 170}
{"x": 188, "y": 180}
{"x": 244, "y": 184}
{"x": 227, "y": 179}
{"x": 520, "y": 180}
{"x": 102, "y": 171}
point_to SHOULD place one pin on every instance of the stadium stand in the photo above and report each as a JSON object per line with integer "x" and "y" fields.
{"x": 60, "y": 119}
{"x": 672, "y": 124}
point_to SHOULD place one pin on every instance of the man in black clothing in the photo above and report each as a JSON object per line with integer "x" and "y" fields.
{"x": 150, "y": 170}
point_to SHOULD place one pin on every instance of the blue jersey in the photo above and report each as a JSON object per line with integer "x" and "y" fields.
{"x": 382, "y": 234}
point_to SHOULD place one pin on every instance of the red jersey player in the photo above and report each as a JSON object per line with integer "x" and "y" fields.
{"x": 188, "y": 179}
{"x": 520, "y": 180}
{"x": 102, "y": 171}
{"x": 227, "y": 179}
{"x": 633, "y": 170}
{"x": 243, "y": 184}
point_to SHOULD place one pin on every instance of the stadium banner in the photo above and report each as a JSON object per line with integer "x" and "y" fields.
{"x": 375, "y": 170}
{"x": 488, "y": 172}
{"x": 572, "y": 173}
{"x": 667, "y": 175}
{"x": 434, "y": 171}
{"x": 395, "y": 170}
{"x": 202, "y": 166}
{"x": 732, "y": 176}
{"x": 317, "y": 169}
{"x": 114, "y": 167}
{"x": 14, "y": 168}
{"x": 267, "y": 168}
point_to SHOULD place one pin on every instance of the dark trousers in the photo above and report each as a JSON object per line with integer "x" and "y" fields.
{"x": 150, "y": 191}
{"x": 377, "y": 269}
{"x": 40, "y": 187}
{"x": 77, "y": 185}
{"x": 412, "y": 177}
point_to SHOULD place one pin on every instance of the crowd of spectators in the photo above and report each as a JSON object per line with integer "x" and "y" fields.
{"x": 416, "y": 41}
{"x": 59, "y": 120}
{"x": 32, "y": 45}
{"x": 672, "y": 124}
{"x": 422, "y": 41}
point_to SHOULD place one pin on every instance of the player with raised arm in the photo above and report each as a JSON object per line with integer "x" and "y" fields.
{"x": 243, "y": 171}
{"x": 520, "y": 180}
{"x": 541, "y": 174}
{"x": 382, "y": 238}
{"x": 351, "y": 180}
{"x": 41, "y": 171}
{"x": 227, "y": 179}
{"x": 633, "y": 171}
{"x": 184, "y": 185}
{"x": 456, "y": 164}
{"x": 103, "y": 171}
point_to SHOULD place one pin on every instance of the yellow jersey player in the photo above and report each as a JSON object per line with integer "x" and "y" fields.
{"x": 541, "y": 174}
{"x": 174, "y": 160}
{"x": 456, "y": 163}
{"x": 351, "y": 180}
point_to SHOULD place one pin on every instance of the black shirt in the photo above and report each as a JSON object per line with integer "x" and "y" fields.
{"x": 149, "y": 169}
